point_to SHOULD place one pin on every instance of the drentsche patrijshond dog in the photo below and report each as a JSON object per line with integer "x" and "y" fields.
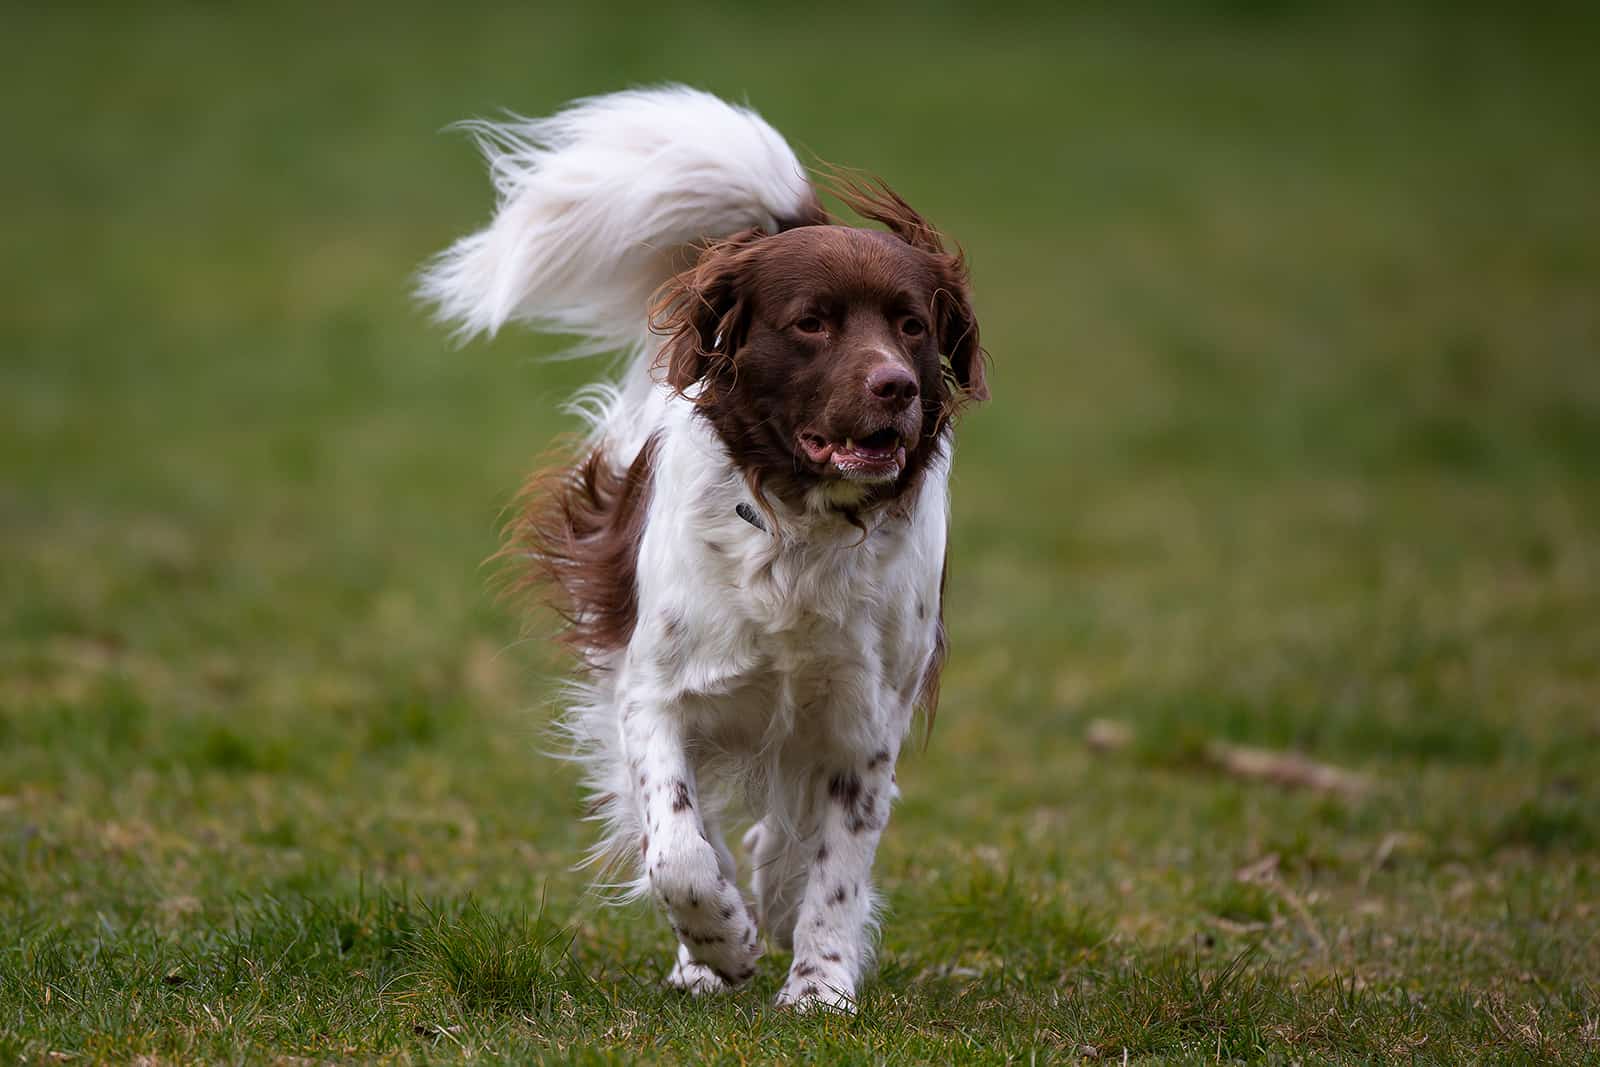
{"x": 749, "y": 546}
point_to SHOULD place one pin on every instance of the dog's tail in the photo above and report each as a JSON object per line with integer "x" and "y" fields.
{"x": 601, "y": 203}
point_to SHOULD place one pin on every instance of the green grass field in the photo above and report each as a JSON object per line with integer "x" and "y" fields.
{"x": 1295, "y": 324}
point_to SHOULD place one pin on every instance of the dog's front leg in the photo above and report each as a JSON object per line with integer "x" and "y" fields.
{"x": 831, "y": 948}
{"x": 685, "y": 870}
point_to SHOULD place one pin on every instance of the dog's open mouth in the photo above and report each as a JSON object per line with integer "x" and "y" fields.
{"x": 878, "y": 456}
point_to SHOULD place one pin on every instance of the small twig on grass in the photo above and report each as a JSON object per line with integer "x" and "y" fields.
{"x": 1284, "y": 768}
{"x": 1289, "y": 769}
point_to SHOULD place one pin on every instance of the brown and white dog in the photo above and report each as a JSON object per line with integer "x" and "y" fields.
{"x": 750, "y": 548}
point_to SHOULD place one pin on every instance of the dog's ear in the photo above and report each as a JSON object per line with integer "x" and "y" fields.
{"x": 704, "y": 313}
{"x": 957, "y": 329}
{"x": 954, "y": 321}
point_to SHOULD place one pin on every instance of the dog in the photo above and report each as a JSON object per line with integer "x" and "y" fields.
{"x": 749, "y": 548}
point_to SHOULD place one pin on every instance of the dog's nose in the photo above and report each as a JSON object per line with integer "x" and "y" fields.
{"x": 892, "y": 384}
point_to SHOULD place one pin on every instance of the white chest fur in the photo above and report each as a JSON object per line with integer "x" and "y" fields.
{"x": 810, "y": 627}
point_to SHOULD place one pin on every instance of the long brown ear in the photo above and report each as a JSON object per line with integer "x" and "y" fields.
{"x": 958, "y": 333}
{"x": 954, "y": 321}
{"x": 704, "y": 313}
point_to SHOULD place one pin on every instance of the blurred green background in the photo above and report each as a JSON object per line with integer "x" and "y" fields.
{"x": 1294, "y": 444}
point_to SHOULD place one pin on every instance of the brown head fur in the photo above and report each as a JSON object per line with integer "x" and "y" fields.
{"x": 791, "y": 344}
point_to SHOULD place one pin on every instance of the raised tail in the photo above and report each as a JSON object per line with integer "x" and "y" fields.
{"x": 599, "y": 204}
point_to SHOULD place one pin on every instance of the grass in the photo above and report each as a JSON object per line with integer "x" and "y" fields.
{"x": 1294, "y": 445}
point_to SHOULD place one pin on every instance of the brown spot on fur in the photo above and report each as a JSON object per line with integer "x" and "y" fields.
{"x": 859, "y": 807}
{"x": 862, "y": 816}
{"x": 839, "y": 895}
{"x": 681, "y": 800}
{"x": 832, "y": 957}
{"x": 577, "y": 532}
{"x": 880, "y": 758}
{"x": 845, "y": 788}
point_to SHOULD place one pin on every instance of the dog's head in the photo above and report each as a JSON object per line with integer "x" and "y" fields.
{"x": 827, "y": 357}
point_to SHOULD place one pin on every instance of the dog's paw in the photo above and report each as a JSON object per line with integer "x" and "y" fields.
{"x": 810, "y": 987}
{"x": 719, "y": 934}
{"x": 707, "y": 912}
{"x": 693, "y": 977}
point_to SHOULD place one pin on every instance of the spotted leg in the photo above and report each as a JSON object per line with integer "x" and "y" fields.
{"x": 689, "y": 874}
{"x": 689, "y": 974}
{"x": 831, "y": 936}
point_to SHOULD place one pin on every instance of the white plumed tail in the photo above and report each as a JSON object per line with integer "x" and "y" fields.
{"x": 596, "y": 203}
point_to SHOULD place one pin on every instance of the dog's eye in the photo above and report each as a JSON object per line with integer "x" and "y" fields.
{"x": 809, "y": 324}
{"x": 912, "y": 326}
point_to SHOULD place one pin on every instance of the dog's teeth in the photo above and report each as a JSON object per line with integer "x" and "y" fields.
{"x": 849, "y": 444}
